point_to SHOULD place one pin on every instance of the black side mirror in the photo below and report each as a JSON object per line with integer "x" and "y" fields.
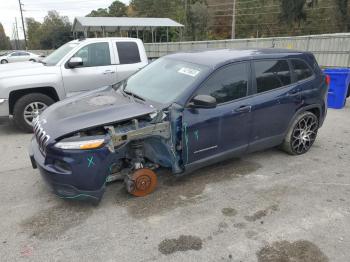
{"x": 203, "y": 101}
{"x": 75, "y": 62}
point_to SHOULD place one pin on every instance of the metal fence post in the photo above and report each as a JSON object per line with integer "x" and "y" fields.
{"x": 308, "y": 43}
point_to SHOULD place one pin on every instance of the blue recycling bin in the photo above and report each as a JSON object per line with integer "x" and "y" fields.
{"x": 338, "y": 88}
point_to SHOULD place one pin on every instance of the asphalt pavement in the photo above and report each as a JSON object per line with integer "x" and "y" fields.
{"x": 266, "y": 207}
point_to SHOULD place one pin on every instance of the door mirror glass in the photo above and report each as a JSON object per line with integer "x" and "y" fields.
{"x": 75, "y": 62}
{"x": 203, "y": 101}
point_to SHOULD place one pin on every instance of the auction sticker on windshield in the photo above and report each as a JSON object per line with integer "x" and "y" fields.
{"x": 189, "y": 71}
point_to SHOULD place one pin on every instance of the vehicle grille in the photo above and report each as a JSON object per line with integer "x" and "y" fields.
{"x": 41, "y": 137}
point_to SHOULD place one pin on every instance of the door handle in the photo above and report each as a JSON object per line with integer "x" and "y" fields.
{"x": 243, "y": 109}
{"x": 108, "y": 72}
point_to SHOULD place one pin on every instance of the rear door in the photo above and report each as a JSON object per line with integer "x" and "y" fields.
{"x": 98, "y": 69}
{"x": 210, "y": 132}
{"x": 24, "y": 56}
{"x": 275, "y": 103}
{"x": 129, "y": 58}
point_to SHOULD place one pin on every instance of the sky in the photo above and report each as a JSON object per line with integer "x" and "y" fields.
{"x": 37, "y": 9}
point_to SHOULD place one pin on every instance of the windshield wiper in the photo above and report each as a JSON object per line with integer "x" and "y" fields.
{"x": 133, "y": 95}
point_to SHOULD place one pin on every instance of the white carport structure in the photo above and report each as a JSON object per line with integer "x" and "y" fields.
{"x": 119, "y": 25}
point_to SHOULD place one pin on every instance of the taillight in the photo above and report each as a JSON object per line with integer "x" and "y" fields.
{"x": 328, "y": 80}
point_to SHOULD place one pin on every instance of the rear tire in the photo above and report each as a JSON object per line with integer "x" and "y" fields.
{"x": 4, "y": 61}
{"x": 301, "y": 135}
{"x": 27, "y": 107}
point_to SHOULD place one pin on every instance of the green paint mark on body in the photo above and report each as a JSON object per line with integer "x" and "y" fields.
{"x": 90, "y": 161}
{"x": 196, "y": 135}
{"x": 186, "y": 140}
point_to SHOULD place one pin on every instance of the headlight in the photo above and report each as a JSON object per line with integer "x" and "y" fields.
{"x": 84, "y": 145}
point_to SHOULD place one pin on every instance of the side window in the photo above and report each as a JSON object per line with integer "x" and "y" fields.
{"x": 24, "y": 54}
{"x": 301, "y": 69}
{"x": 271, "y": 74}
{"x": 128, "y": 53}
{"x": 227, "y": 84}
{"x": 15, "y": 54}
{"x": 96, "y": 54}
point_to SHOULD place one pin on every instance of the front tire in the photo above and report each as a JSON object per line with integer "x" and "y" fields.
{"x": 4, "y": 61}
{"x": 301, "y": 135}
{"x": 27, "y": 107}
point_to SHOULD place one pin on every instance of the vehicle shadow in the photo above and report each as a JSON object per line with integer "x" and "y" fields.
{"x": 7, "y": 127}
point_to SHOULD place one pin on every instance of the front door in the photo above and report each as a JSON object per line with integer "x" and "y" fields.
{"x": 14, "y": 57}
{"x": 275, "y": 103}
{"x": 209, "y": 133}
{"x": 97, "y": 70}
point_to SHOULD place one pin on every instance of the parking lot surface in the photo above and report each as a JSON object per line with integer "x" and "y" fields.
{"x": 266, "y": 207}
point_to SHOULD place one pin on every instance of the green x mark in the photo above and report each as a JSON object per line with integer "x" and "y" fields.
{"x": 90, "y": 161}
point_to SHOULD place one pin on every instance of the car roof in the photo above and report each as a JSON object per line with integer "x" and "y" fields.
{"x": 217, "y": 57}
{"x": 102, "y": 39}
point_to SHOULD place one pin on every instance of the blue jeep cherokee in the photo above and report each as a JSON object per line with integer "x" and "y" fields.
{"x": 182, "y": 112}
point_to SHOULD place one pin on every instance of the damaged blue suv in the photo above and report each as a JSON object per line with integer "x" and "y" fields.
{"x": 182, "y": 112}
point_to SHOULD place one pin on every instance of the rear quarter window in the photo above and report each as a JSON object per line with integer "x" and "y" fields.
{"x": 301, "y": 69}
{"x": 128, "y": 53}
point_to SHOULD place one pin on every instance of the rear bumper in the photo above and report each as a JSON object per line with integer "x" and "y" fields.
{"x": 64, "y": 184}
{"x": 4, "y": 107}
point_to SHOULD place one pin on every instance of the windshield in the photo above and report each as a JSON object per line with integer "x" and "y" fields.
{"x": 164, "y": 80}
{"x": 58, "y": 54}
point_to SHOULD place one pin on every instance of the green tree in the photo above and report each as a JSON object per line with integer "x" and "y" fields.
{"x": 293, "y": 11}
{"x": 55, "y": 31}
{"x": 4, "y": 40}
{"x": 175, "y": 9}
{"x": 101, "y": 12}
{"x": 33, "y": 33}
{"x": 117, "y": 9}
{"x": 198, "y": 21}
{"x": 344, "y": 21}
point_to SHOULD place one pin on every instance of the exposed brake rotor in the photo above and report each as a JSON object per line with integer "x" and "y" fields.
{"x": 142, "y": 182}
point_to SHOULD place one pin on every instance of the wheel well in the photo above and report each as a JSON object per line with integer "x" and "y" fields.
{"x": 315, "y": 111}
{"x": 17, "y": 94}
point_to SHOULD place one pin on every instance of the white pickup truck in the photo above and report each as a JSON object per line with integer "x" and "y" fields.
{"x": 27, "y": 88}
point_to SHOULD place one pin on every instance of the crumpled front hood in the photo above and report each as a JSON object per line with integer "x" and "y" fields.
{"x": 25, "y": 69}
{"x": 100, "y": 107}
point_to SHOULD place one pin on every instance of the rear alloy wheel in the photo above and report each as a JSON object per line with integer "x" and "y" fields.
{"x": 142, "y": 182}
{"x": 301, "y": 135}
{"x": 4, "y": 61}
{"x": 28, "y": 107}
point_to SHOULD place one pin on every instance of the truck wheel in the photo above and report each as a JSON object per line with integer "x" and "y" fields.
{"x": 28, "y": 107}
{"x": 142, "y": 182}
{"x": 4, "y": 61}
{"x": 301, "y": 135}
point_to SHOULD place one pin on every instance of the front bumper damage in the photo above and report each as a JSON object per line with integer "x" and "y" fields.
{"x": 83, "y": 174}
